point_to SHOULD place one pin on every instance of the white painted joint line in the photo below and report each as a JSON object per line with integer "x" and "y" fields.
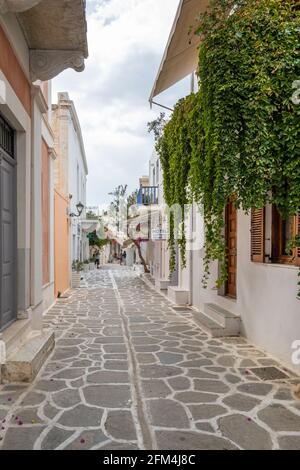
{"x": 137, "y": 400}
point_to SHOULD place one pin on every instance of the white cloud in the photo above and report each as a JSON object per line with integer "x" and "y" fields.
{"x": 126, "y": 42}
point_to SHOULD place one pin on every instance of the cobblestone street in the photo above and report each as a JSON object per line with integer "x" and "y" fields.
{"x": 129, "y": 372}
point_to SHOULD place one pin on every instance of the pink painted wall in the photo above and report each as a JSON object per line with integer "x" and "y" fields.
{"x": 61, "y": 244}
{"x": 13, "y": 72}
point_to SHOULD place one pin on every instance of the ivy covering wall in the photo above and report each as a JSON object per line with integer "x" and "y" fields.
{"x": 240, "y": 134}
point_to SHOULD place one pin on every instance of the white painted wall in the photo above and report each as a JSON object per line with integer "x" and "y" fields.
{"x": 156, "y": 175}
{"x": 104, "y": 255}
{"x": 159, "y": 259}
{"x": 266, "y": 297}
{"x": 77, "y": 187}
{"x": 266, "y": 293}
{"x": 36, "y": 219}
{"x": 130, "y": 256}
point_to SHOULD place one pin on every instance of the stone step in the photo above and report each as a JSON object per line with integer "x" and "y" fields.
{"x": 14, "y": 335}
{"x": 208, "y": 325}
{"x": 162, "y": 284}
{"x": 213, "y": 328}
{"x": 24, "y": 363}
{"x": 221, "y": 316}
{"x": 178, "y": 296}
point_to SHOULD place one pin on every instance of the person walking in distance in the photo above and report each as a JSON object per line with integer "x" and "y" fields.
{"x": 97, "y": 260}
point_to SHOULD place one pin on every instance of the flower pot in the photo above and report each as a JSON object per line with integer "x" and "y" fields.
{"x": 76, "y": 278}
{"x": 92, "y": 266}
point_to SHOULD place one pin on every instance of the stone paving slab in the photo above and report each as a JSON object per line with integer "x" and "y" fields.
{"x": 129, "y": 372}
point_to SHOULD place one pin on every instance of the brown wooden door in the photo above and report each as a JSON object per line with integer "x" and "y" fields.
{"x": 231, "y": 241}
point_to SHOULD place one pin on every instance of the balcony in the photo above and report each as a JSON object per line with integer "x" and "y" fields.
{"x": 147, "y": 196}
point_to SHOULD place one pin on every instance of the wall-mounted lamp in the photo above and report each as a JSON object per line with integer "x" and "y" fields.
{"x": 79, "y": 208}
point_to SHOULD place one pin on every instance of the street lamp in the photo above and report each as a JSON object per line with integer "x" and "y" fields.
{"x": 79, "y": 208}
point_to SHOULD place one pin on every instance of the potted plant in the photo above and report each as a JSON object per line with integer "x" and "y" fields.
{"x": 77, "y": 268}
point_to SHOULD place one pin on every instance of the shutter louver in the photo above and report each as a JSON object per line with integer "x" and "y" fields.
{"x": 258, "y": 235}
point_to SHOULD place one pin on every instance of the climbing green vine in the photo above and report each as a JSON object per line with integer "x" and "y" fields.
{"x": 239, "y": 135}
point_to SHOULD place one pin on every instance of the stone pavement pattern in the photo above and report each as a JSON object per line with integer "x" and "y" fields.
{"x": 128, "y": 372}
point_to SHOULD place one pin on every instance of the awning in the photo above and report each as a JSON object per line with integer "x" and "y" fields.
{"x": 181, "y": 54}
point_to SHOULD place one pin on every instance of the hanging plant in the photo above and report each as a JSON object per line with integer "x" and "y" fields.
{"x": 174, "y": 149}
{"x": 240, "y": 134}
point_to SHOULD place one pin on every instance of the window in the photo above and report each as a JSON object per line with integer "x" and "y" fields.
{"x": 267, "y": 224}
{"x": 283, "y": 232}
{"x": 258, "y": 235}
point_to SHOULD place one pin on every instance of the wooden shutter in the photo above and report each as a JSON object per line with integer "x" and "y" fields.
{"x": 298, "y": 233}
{"x": 258, "y": 235}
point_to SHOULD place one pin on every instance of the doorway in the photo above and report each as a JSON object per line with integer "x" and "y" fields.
{"x": 8, "y": 237}
{"x": 231, "y": 244}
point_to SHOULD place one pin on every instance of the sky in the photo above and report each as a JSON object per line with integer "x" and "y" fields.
{"x": 126, "y": 40}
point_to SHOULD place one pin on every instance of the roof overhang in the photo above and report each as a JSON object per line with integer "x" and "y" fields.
{"x": 181, "y": 54}
{"x": 56, "y": 34}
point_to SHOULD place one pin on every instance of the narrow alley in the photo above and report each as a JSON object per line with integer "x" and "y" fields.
{"x": 129, "y": 372}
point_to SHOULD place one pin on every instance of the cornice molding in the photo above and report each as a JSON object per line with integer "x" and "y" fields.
{"x": 47, "y": 64}
{"x": 17, "y": 6}
{"x": 48, "y": 126}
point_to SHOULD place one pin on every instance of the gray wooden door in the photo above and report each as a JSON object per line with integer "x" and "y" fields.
{"x": 8, "y": 285}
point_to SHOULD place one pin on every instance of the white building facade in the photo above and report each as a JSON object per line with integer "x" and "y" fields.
{"x": 78, "y": 172}
{"x": 260, "y": 299}
{"x": 159, "y": 262}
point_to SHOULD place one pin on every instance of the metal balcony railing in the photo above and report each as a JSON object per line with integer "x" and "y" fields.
{"x": 147, "y": 196}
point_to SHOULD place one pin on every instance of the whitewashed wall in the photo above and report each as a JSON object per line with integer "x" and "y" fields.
{"x": 77, "y": 187}
{"x": 266, "y": 297}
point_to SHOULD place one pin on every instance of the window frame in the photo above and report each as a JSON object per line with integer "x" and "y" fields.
{"x": 277, "y": 242}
